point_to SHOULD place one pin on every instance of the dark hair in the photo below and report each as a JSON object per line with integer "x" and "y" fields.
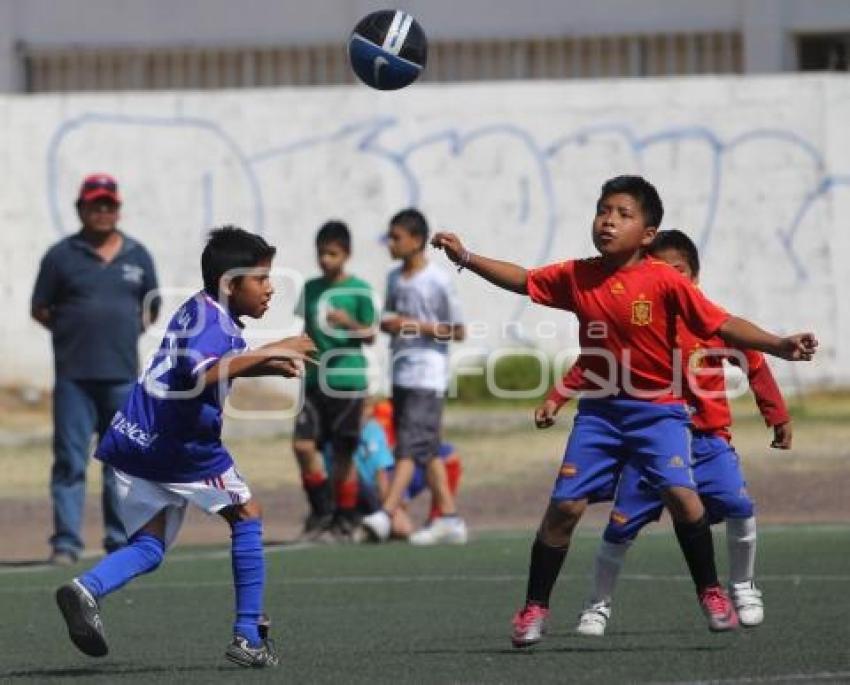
{"x": 412, "y": 221}
{"x": 230, "y": 247}
{"x": 642, "y": 191}
{"x": 334, "y": 232}
{"x": 674, "y": 239}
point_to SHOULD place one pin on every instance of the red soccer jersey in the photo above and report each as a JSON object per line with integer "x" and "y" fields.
{"x": 627, "y": 321}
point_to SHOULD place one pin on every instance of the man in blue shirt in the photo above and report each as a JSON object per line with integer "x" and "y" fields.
{"x": 165, "y": 445}
{"x": 95, "y": 292}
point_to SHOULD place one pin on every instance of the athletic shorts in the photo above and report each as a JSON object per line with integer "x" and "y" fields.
{"x": 608, "y": 434}
{"x": 720, "y": 483}
{"x": 139, "y": 499}
{"x": 418, "y": 420}
{"x": 330, "y": 420}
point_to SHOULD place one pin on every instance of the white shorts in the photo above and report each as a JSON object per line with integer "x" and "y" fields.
{"x": 141, "y": 499}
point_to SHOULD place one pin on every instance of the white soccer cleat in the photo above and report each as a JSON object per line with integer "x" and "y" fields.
{"x": 748, "y": 603}
{"x": 377, "y": 525}
{"x": 593, "y": 619}
{"x": 450, "y": 530}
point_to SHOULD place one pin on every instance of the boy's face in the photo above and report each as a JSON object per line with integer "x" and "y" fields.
{"x": 251, "y": 293}
{"x": 99, "y": 216}
{"x": 332, "y": 257}
{"x": 678, "y": 260}
{"x": 619, "y": 227}
{"x": 402, "y": 243}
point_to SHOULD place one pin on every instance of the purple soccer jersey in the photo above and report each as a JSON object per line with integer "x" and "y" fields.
{"x": 169, "y": 429}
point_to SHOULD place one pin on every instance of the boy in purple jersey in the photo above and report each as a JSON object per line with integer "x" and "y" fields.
{"x": 165, "y": 445}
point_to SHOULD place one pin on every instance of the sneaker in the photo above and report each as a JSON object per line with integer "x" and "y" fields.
{"x": 529, "y": 624}
{"x": 593, "y": 619}
{"x": 377, "y": 525}
{"x": 315, "y": 526}
{"x": 82, "y": 615}
{"x": 748, "y": 603}
{"x": 63, "y": 557}
{"x": 343, "y": 528}
{"x": 241, "y": 653}
{"x": 450, "y": 530}
{"x": 718, "y": 609}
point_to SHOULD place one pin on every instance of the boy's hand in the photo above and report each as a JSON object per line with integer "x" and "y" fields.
{"x": 800, "y": 347}
{"x": 339, "y": 318}
{"x": 450, "y": 244}
{"x": 297, "y": 347}
{"x": 400, "y": 325}
{"x": 288, "y": 368}
{"x": 782, "y": 435}
{"x": 544, "y": 415}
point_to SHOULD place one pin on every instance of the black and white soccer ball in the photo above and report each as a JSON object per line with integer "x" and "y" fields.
{"x": 388, "y": 49}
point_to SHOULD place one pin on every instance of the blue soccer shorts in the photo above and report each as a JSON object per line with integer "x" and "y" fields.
{"x": 720, "y": 483}
{"x": 609, "y": 434}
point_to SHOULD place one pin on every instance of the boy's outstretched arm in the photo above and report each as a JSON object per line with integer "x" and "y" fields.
{"x": 503, "y": 274}
{"x": 744, "y": 334}
{"x": 265, "y": 358}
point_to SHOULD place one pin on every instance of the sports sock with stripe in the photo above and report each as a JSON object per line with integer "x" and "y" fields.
{"x": 248, "y": 577}
{"x": 143, "y": 553}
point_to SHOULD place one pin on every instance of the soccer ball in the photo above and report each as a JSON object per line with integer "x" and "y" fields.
{"x": 388, "y": 49}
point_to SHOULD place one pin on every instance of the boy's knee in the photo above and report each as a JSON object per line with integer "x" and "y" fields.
{"x": 684, "y": 504}
{"x": 559, "y": 521}
{"x": 243, "y": 512}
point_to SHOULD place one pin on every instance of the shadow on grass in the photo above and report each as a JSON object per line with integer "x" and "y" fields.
{"x": 114, "y": 669}
{"x": 525, "y": 651}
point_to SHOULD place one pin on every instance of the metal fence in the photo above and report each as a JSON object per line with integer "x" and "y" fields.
{"x": 97, "y": 69}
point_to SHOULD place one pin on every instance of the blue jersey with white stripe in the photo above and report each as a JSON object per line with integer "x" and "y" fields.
{"x": 169, "y": 429}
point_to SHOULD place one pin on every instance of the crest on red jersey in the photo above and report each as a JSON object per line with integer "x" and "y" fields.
{"x": 642, "y": 312}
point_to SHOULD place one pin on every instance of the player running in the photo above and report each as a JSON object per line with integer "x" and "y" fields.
{"x": 165, "y": 445}
{"x": 627, "y": 305}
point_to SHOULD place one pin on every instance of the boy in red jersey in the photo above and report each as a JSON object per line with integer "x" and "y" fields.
{"x": 626, "y": 304}
{"x": 717, "y": 471}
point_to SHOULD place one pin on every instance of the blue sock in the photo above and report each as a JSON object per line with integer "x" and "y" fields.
{"x": 143, "y": 554}
{"x": 248, "y": 577}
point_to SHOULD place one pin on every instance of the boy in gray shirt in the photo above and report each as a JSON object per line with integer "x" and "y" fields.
{"x": 422, "y": 315}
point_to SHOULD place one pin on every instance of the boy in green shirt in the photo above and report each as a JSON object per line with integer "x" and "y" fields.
{"x": 339, "y": 315}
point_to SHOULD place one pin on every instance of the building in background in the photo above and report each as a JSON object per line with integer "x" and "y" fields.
{"x": 97, "y": 45}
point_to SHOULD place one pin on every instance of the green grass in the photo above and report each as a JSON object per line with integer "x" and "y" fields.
{"x": 400, "y": 614}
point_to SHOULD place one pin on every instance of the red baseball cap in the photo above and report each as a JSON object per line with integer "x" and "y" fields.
{"x": 99, "y": 187}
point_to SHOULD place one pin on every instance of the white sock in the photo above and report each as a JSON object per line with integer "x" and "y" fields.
{"x": 609, "y": 562}
{"x": 741, "y": 542}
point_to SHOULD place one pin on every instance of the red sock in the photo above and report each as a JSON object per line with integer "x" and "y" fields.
{"x": 453, "y": 473}
{"x": 346, "y": 494}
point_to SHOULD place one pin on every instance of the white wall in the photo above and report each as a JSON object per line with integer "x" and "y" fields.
{"x": 756, "y": 169}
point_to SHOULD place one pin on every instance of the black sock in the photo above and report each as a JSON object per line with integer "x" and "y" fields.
{"x": 697, "y": 546}
{"x": 320, "y": 499}
{"x": 543, "y": 571}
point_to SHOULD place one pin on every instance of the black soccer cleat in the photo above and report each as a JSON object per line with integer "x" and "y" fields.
{"x": 241, "y": 653}
{"x": 82, "y": 616}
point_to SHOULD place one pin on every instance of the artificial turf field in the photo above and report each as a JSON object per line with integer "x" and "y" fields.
{"x": 349, "y": 614}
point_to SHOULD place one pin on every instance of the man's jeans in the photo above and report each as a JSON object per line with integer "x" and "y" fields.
{"x": 79, "y": 409}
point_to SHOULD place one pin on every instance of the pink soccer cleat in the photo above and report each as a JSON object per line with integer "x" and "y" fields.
{"x": 718, "y": 609}
{"x": 529, "y": 624}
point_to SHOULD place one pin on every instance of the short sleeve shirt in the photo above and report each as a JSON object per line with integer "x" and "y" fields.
{"x": 339, "y": 352}
{"x": 169, "y": 429}
{"x": 95, "y": 307}
{"x": 429, "y": 295}
{"x": 627, "y": 321}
